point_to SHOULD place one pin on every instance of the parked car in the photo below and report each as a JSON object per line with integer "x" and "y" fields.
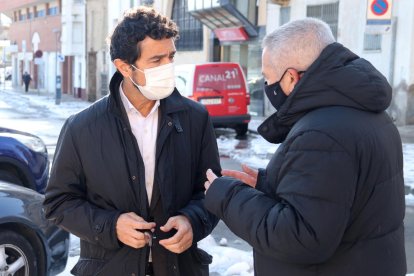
{"x": 221, "y": 87}
{"x": 23, "y": 159}
{"x": 29, "y": 244}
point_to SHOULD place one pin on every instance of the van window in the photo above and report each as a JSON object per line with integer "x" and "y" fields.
{"x": 218, "y": 78}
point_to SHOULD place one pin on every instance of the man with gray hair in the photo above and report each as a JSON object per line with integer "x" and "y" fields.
{"x": 331, "y": 200}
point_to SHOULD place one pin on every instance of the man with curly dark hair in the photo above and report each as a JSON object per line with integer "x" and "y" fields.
{"x": 128, "y": 173}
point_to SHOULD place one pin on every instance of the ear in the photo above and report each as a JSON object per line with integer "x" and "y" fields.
{"x": 123, "y": 67}
{"x": 293, "y": 78}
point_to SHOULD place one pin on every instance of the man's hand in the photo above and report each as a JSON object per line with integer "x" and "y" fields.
{"x": 183, "y": 239}
{"x": 247, "y": 176}
{"x": 211, "y": 177}
{"x": 130, "y": 230}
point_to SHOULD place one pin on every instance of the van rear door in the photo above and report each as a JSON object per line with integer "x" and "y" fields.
{"x": 221, "y": 87}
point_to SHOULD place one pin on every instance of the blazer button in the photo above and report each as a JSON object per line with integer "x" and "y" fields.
{"x": 134, "y": 177}
{"x": 169, "y": 124}
{"x": 97, "y": 227}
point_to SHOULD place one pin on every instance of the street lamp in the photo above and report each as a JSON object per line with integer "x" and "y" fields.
{"x": 58, "y": 78}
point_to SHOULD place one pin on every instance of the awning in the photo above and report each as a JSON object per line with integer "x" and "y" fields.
{"x": 223, "y": 18}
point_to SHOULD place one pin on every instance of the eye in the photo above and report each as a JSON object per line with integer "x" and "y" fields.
{"x": 172, "y": 57}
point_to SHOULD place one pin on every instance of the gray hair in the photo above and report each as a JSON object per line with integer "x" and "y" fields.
{"x": 297, "y": 44}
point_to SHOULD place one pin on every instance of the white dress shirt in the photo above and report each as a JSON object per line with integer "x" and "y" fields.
{"x": 145, "y": 132}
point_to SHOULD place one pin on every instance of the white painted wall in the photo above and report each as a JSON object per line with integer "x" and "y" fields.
{"x": 73, "y": 39}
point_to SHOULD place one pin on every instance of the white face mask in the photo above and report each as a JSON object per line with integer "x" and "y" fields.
{"x": 159, "y": 82}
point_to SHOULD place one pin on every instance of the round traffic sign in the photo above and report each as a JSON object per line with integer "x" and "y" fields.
{"x": 379, "y": 7}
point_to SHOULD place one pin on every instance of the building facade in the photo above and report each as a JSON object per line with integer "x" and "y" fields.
{"x": 232, "y": 30}
{"x": 35, "y": 32}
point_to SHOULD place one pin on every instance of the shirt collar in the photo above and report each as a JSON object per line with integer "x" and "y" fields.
{"x": 128, "y": 105}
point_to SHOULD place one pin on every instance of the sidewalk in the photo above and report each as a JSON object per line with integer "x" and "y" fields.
{"x": 406, "y": 132}
{"x": 40, "y": 92}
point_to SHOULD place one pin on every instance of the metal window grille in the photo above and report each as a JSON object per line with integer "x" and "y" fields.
{"x": 284, "y": 15}
{"x": 191, "y": 30}
{"x": 372, "y": 42}
{"x": 327, "y": 13}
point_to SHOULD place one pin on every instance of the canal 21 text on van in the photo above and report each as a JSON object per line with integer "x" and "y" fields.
{"x": 227, "y": 75}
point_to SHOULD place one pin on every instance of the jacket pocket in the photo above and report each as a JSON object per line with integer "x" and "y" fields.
{"x": 87, "y": 267}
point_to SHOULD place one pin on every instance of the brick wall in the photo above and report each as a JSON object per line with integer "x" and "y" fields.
{"x": 24, "y": 30}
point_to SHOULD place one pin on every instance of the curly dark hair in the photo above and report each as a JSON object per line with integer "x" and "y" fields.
{"x": 138, "y": 23}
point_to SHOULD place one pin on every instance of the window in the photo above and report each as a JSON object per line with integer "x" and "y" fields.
{"x": 40, "y": 13}
{"x": 327, "y": 13}
{"x": 147, "y": 2}
{"x": 191, "y": 30}
{"x": 77, "y": 33}
{"x": 284, "y": 15}
{"x": 247, "y": 8}
{"x": 372, "y": 42}
{"x": 53, "y": 11}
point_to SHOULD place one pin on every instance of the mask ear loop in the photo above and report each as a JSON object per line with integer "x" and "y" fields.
{"x": 135, "y": 84}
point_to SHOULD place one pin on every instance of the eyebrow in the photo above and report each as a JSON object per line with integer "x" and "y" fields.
{"x": 162, "y": 56}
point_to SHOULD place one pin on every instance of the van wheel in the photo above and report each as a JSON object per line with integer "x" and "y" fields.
{"x": 241, "y": 129}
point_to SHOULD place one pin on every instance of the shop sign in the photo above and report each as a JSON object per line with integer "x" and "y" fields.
{"x": 231, "y": 34}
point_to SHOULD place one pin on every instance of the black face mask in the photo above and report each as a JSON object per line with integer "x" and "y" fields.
{"x": 275, "y": 93}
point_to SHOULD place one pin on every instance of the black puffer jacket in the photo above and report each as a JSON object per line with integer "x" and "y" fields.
{"x": 98, "y": 174}
{"x": 331, "y": 200}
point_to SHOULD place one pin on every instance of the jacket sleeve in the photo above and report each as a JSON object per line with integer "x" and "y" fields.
{"x": 65, "y": 201}
{"x": 304, "y": 221}
{"x": 202, "y": 221}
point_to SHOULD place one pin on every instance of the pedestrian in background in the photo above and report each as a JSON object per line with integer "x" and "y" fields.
{"x": 129, "y": 171}
{"x": 331, "y": 200}
{"x": 26, "y": 80}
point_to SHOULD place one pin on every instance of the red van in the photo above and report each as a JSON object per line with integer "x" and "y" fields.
{"x": 221, "y": 87}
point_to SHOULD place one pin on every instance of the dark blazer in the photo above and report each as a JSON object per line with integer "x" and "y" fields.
{"x": 98, "y": 173}
{"x": 331, "y": 200}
